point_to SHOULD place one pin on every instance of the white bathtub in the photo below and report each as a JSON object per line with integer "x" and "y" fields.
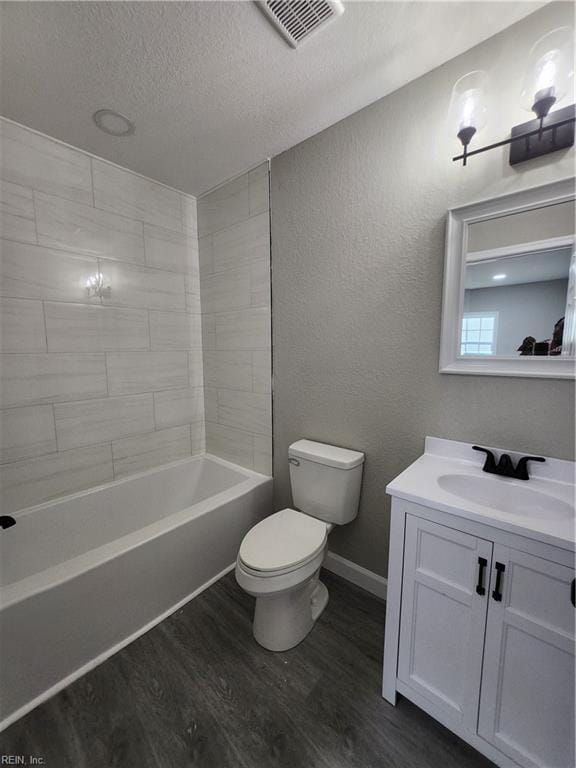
{"x": 83, "y": 576}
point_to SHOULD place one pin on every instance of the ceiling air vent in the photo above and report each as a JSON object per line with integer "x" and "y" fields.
{"x": 296, "y": 20}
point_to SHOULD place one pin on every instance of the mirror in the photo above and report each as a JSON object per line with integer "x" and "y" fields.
{"x": 510, "y": 285}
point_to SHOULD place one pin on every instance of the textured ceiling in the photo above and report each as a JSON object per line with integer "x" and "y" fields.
{"x": 211, "y": 86}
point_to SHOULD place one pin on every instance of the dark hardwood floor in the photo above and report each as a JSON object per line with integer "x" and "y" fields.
{"x": 198, "y": 691}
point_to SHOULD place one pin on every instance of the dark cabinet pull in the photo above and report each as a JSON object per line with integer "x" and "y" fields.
{"x": 497, "y": 594}
{"x": 573, "y": 593}
{"x": 480, "y": 588}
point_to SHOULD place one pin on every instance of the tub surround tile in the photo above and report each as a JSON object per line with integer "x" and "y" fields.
{"x": 189, "y": 216}
{"x": 242, "y": 243}
{"x": 36, "y": 161}
{"x": 247, "y": 329}
{"x": 226, "y": 291}
{"x": 208, "y": 331}
{"x": 131, "y": 372}
{"x": 123, "y": 192}
{"x": 98, "y": 421}
{"x": 132, "y": 285}
{"x": 72, "y": 226}
{"x": 205, "y": 255}
{"x": 262, "y": 454}
{"x": 179, "y": 406}
{"x": 262, "y": 371}
{"x": 224, "y": 206}
{"x": 170, "y": 250}
{"x": 77, "y": 327}
{"x": 35, "y": 272}
{"x": 26, "y": 432}
{"x": 37, "y": 378}
{"x": 33, "y": 481}
{"x": 198, "y": 437}
{"x": 245, "y": 410}
{"x": 175, "y": 330}
{"x": 230, "y": 369}
{"x": 260, "y": 284}
{"x": 135, "y": 454}
{"x": 231, "y": 444}
{"x": 22, "y": 326}
{"x": 192, "y": 288}
{"x": 258, "y": 189}
{"x": 17, "y": 213}
{"x": 211, "y": 404}
{"x": 195, "y": 368}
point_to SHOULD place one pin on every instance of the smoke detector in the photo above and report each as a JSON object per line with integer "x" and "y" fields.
{"x": 297, "y": 20}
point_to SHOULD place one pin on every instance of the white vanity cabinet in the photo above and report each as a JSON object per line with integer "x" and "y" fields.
{"x": 480, "y": 634}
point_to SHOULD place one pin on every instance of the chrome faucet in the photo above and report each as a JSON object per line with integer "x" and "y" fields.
{"x": 505, "y": 466}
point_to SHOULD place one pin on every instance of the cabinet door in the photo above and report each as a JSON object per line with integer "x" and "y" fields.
{"x": 443, "y": 618}
{"x": 527, "y": 702}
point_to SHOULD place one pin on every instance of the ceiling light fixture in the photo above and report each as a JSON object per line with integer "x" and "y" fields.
{"x": 113, "y": 123}
{"x": 549, "y": 77}
{"x": 498, "y": 277}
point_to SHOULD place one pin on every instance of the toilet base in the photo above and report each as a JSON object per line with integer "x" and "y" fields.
{"x": 282, "y": 621}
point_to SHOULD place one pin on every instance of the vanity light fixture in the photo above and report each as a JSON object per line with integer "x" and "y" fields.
{"x": 95, "y": 286}
{"x": 549, "y": 78}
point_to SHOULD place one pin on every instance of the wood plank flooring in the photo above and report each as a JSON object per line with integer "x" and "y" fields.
{"x": 197, "y": 691}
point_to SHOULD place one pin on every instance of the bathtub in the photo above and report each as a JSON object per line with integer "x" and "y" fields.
{"x": 84, "y": 575}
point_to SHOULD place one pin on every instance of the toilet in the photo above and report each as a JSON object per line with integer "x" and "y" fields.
{"x": 279, "y": 559}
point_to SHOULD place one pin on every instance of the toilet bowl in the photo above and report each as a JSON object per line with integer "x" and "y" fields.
{"x": 279, "y": 559}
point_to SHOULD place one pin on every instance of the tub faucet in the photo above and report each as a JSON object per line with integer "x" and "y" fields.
{"x": 505, "y": 466}
{"x": 6, "y": 521}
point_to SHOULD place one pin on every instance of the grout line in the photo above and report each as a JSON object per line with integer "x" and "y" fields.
{"x": 45, "y": 327}
{"x": 92, "y": 183}
{"x": 35, "y": 212}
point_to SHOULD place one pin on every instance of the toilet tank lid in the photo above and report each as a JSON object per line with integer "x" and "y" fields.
{"x": 321, "y": 453}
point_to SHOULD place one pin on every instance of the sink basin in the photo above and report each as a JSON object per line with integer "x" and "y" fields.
{"x": 506, "y": 496}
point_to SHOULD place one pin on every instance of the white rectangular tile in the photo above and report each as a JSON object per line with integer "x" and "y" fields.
{"x": 263, "y": 454}
{"x": 40, "y": 378}
{"x": 258, "y": 189}
{"x": 260, "y": 283}
{"x": 246, "y": 329}
{"x": 198, "y": 437}
{"x": 77, "y": 327}
{"x": 262, "y": 371}
{"x": 146, "y": 371}
{"x": 178, "y": 406}
{"x": 33, "y": 481}
{"x": 170, "y": 250}
{"x": 26, "y": 432}
{"x": 135, "y": 454}
{"x": 98, "y": 421}
{"x": 22, "y": 326}
{"x": 228, "y": 369}
{"x": 83, "y": 229}
{"x": 226, "y": 291}
{"x": 205, "y": 261}
{"x": 247, "y": 241}
{"x": 17, "y": 213}
{"x": 208, "y": 331}
{"x": 230, "y": 444}
{"x": 189, "y": 215}
{"x": 192, "y": 288}
{"x": 225, "y": 206}
{"x": 210, "y": 404}
{"x": 245, "y": 410}
{"x": 123, "y": 192}
{"x": 34, "y": 272}
{"x": 175, "y": 330}
{"x": 37, "y": 161}
{"x": 132, "y": 285}
{"x": 195, "y": 368}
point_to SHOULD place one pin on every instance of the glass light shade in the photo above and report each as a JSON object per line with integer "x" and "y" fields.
{"x": 550, "y": 70}
{"x": 468, "y": 104}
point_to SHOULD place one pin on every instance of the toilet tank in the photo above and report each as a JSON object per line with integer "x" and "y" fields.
{"x": 325, "y": 480}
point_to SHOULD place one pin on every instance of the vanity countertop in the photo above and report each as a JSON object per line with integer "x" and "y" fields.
{"x": 449, "y": 477}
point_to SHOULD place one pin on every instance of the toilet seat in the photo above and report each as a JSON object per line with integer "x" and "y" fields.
{"x": 281, "y": 543}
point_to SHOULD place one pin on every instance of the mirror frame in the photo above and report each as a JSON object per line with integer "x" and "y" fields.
{"x": 458, "y": 221}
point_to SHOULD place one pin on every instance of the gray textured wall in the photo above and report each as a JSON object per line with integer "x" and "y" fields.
{"x": 358, "y": 216}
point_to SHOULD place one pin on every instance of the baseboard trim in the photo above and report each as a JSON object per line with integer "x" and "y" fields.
{"x": 362, "y": 577}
